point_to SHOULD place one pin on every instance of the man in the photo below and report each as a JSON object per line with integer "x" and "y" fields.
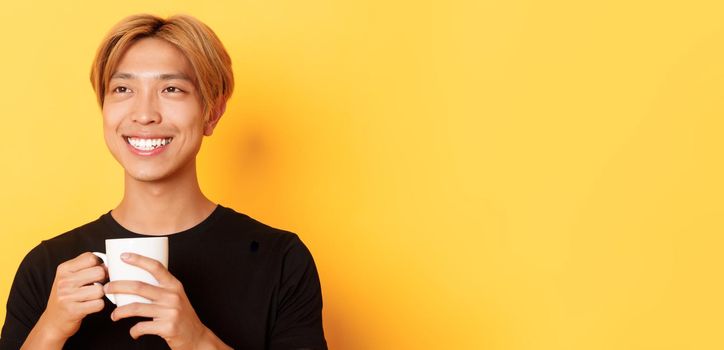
{"x": 231, "y": 281}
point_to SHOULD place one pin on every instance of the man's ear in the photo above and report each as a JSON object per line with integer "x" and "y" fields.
{"x": 214, "y": 118}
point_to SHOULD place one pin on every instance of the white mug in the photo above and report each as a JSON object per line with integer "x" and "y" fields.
{"x": 151, "y": 247}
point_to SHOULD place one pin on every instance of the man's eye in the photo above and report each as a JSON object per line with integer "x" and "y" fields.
{"x": 172, "y": 89}
{"x": 120, "y": 89}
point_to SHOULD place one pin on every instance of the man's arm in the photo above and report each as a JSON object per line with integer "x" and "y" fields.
{"x": 25, "y": 302}
{"x": 298, "y": 321}
{"x": 47, "y": 325}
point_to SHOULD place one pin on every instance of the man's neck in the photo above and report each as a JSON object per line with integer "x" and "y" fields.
{"x": 163, "y": 207}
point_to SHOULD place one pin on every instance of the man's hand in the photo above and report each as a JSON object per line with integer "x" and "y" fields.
{"x": 72, "y": 297}
{"x": 173, "y": 317}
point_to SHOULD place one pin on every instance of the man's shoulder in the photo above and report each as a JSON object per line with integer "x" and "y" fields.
{"x": 236, "y": 222}
{"x": 81, "y": 232}
{"x": 87, "y": 237}
{"x": 67, "y": 245}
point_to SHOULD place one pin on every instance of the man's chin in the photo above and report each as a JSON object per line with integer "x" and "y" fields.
{"x": 147, "y": 175}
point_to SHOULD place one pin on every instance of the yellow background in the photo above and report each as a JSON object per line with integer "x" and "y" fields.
{"x": 468, "y": 174}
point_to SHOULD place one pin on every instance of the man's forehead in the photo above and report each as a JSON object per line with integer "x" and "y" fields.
{"x": 151, "y": 75}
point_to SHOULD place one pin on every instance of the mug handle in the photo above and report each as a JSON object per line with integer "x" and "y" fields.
{"x": 103, "y": 257}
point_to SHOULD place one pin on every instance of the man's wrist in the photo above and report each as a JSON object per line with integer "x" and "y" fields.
{"x": 209, "y": 341}
{"x": 44, "y": 336}
{"x": 50, "y": 333}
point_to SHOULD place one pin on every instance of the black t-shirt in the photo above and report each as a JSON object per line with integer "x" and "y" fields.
{"x": 254, "y": 286}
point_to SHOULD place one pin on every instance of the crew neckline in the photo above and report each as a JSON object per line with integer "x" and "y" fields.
{"x": 118, "y": 230}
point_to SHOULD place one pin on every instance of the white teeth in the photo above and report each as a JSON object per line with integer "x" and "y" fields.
{"x": 147, "y": 144}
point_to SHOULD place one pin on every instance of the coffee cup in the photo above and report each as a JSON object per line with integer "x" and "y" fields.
{"x": 152, "y": 247}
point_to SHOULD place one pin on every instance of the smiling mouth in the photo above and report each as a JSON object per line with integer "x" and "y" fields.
{"x": 147, "y": 144}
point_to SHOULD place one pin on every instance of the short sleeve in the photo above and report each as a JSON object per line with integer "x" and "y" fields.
{"x": 298, "y": 322}
{"x": 27, "y": 300}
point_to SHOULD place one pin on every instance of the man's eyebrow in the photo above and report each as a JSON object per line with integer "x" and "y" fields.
{"x": 170, "y": 76}
{"x": 162, "y": 76}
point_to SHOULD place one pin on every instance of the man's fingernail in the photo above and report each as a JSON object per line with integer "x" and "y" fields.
{"x": 125, "y": 256}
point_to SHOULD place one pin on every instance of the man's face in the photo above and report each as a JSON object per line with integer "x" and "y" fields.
{"x": 152, "y": 113}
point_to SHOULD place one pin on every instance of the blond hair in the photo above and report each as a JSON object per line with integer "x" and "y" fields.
{"x": 210, "y": 61}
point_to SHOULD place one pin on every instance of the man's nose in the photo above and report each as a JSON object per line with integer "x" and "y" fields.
{"x": 146, "y": 111}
